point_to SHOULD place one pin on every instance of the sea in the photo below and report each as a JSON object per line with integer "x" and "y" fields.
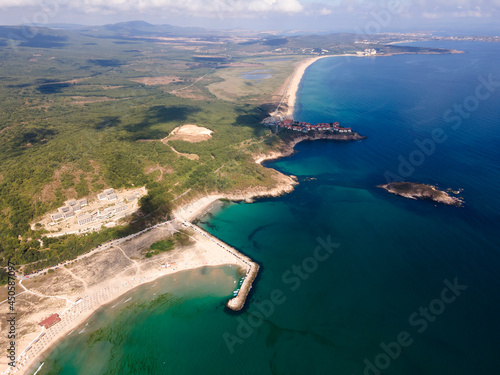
{"x": 353, "y": 280}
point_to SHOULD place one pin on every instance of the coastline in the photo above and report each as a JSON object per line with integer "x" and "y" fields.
{"x": 210, "y": 254}
{"x": 290, "y": 95}
{"x": 293, "y": 86}
{"x": 108, "y": 290}
{"x": 80, "y": 306}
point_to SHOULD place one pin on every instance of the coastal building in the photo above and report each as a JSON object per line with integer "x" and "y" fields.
{"x": 108, "y": 194}
{"x": 69, "y": 209}
{"x": 50, "y": 321}
{"x": 367, "y": 52}
{"x": 304, "y": 127}
{"x": 64, "y": 209}
{"x": 57, "y": 217}
{"x": 120, "y": 207}
{"x": 132, "y": 197}
{"x": 86, "y": 218}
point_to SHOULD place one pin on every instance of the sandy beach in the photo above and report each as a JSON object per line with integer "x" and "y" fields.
{"x": 293, "y": 86}
{"x": 77, "y": 291}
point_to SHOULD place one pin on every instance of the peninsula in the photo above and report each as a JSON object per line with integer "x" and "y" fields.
{"x": 415, "y": 191}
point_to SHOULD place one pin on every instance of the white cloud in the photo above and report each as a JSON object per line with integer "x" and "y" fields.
{"x": 17, "y": 3}
{"x": 325, "y": 11}
{"x": 207, "y": 8}
{"x": 186, "y": 11}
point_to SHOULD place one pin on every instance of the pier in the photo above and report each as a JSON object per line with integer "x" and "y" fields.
{"x": 252, "y": 269}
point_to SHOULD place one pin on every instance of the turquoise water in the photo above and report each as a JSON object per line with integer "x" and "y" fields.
{"x": 353, "y": 280}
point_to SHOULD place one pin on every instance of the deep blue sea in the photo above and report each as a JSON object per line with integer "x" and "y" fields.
{"x": 354, "y": 280}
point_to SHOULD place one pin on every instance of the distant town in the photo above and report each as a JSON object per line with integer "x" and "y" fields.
{"x": 304, "y": 127}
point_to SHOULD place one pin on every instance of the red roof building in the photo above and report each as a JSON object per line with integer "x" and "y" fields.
{"x": 50, "y": 321}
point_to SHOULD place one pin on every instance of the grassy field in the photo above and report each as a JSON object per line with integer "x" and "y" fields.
{"x": 234, "y": 87}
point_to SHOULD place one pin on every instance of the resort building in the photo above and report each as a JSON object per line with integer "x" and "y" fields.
{"x": 57, "y": 217}
{"x": 68, "y": 210}
{"x": 121, "y": 207}
{"x": 88, "y": 218}
{"x": 50, "y": 321}
{"x": 132, "y": 197}
{"x": 108, "y": 194}
{"x": 304, "y": 127}
{"x": 102, "y": 211}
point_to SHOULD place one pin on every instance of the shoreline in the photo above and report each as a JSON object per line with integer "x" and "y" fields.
{"x": 31, "y": 364}
{"x": 293, "y": 86}
{"x": 80, "y": 306}
{"x": 110, "y": 290}
{"x": 42, "y": 343}
{"x": 290, "y": 95}
{"x": 81, "y": 312}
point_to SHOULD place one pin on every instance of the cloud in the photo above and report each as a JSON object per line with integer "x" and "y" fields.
{"x": 204, "y": 8}
{"x": 407, "y": 8}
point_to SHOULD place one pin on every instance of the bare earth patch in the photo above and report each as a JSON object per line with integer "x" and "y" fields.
{"x": 189, "y": 156}
{"x": 189, "y": 133}
{"x": 162, "y": 170}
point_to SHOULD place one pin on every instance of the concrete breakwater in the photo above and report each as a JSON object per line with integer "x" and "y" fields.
{"x": 251, "y": 268}
{"x": 237, "y": 303}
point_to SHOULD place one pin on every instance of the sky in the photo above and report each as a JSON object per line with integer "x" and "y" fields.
{"x": 362, "y": 16}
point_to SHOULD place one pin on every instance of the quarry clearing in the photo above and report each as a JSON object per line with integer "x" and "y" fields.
{"x": 189, "y": 133}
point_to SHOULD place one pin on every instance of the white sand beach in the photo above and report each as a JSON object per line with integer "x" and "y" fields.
{"x": 293, "y": 86}
{"x": 81, "y": 291}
